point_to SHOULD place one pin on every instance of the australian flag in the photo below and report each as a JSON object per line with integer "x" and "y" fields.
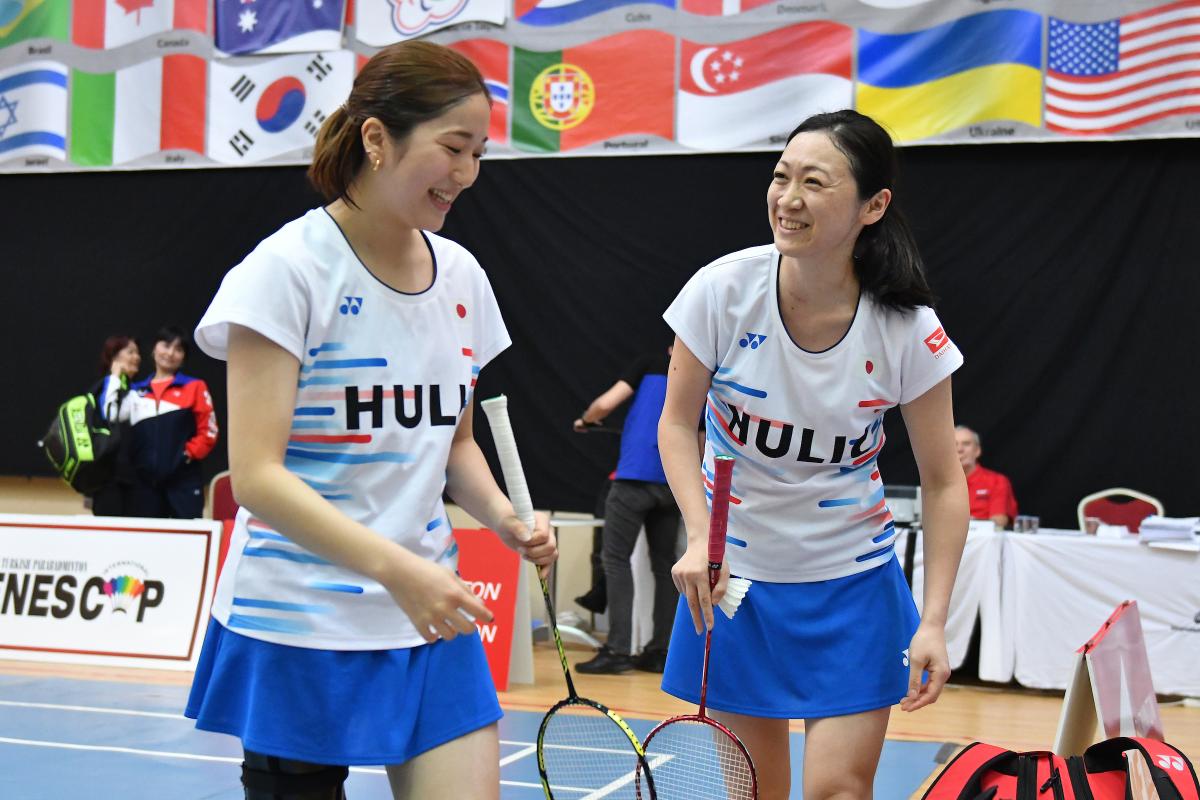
{"x": 278, "y": 26}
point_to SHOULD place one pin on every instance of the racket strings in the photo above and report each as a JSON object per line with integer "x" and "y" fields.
{"x": 586, "y": 754}
{"x": 694, "y": 760}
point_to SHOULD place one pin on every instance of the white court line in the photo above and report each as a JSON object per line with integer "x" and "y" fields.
{"x": 92, "y": 709}
{"x": 624, "y": 780}
{"x": 524, "y": 751}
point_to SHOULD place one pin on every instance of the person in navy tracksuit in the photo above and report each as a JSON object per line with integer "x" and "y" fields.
{"x": 173, "y": 429}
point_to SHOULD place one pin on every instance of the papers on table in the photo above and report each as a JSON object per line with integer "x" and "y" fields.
{"x": 1178, "y": 529}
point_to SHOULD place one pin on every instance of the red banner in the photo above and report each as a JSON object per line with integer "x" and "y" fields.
{"x": 492, "y": 571}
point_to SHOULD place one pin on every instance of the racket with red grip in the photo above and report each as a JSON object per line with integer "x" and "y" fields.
{"x": 694, "y": 756}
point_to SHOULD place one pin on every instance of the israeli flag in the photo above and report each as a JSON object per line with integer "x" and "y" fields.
{"x": 33, "y": 111}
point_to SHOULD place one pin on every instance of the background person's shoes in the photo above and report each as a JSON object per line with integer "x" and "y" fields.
{"x": 650, "y": 661}
{"x": 605, "y": 662}
{"x": 595, "y": 601}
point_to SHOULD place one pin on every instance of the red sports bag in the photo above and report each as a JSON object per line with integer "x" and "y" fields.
{"x": 986, "y": 772}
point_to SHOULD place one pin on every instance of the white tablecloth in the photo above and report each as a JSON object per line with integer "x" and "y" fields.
{"x": 1039, "y": 597}
{"x": 976, "y": 594}
{"x": 1059, "y": 589}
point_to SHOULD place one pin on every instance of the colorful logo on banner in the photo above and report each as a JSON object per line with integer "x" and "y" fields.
{"x": 562, "y": 96}
{"x": 411, "y": 17}
{"x": 492, "y": 572}
{"x": 280, "y": 104}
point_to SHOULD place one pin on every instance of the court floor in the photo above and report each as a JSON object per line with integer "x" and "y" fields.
{"x": 63, "y": 738}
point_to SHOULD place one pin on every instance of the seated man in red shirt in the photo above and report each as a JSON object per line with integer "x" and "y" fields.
{"x": 990, "y": 492}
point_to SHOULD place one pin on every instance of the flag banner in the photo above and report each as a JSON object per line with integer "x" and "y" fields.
{"x": 33, "y": 19}
{"x": 545, "y": 13}
{"x": 755, "y": 91}
{"x": 263, "y": 109}
{"x": 619, "y": 86}
{"x": 278, "y": 26}
{"x": 1124, "y": 73}
{"x": 105, "y": 24}
{"x": 491, "y": 57}
{"x": 383, "y": 22}
{"x": 121, "y": 116}
{"x": 600, "y": 77}
{"x": 984, "y": 67}
{"x": 33, "y": 110}
{"x": 722, "y": 8}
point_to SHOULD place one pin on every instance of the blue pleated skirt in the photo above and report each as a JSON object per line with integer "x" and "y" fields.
{"x": 802, "y": 650}
{"x": 341, "y": 707}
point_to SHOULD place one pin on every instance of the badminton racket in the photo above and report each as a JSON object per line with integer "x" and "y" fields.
{"x": 695, "y": 757}
{"x": 584, "y": 748}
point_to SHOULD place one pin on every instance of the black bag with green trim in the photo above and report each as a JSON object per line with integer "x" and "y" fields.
{"x": 81, "y": 445}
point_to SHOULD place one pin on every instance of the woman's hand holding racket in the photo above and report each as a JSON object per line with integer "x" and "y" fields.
{"x": 437, "y": 601}
{"x": 926, "y": 654}
{"x": 538, "y": 546}
{"x": 691, "y": 578}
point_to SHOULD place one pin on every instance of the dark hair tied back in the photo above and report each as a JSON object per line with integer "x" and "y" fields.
{"x": 886, "y": 260}
{"x": 403, "y": 85}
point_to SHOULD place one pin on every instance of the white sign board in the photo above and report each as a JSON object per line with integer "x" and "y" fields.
{"x": 117, "y": 591}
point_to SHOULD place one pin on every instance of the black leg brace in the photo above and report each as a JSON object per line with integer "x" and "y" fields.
{"x": 272, "y": 778}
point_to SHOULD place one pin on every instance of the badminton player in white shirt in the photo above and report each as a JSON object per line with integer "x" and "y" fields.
{"x": 794, "y": 351}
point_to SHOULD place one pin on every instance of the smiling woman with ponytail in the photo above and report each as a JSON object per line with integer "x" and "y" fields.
{"x": 839, "y": 311}
{"x": 341, "y": 633}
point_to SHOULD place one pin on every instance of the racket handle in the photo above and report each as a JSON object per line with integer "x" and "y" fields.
{"x": 718, "y": 519}
{"x": 496, "y": 409}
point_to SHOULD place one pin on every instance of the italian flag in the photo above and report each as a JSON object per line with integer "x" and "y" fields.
{"x": 148, "y": 108}
{"x": 104, "y": 24}
{"x": 628, "y": 80}
{"x": 33, "y": 19}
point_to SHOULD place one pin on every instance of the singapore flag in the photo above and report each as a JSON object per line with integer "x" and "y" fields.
{"x": 742, "y": 93}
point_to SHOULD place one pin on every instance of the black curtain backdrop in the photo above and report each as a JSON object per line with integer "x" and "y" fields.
{"x": 1067, "y": 273}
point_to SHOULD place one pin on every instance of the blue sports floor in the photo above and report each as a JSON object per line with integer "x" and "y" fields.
{"x": 62, "y": 739}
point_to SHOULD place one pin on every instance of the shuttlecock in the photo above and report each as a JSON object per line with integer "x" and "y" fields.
{"x": 735, "y": 592}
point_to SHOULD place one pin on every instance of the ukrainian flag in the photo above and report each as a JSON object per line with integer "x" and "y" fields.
{"x": 987, "y": 66}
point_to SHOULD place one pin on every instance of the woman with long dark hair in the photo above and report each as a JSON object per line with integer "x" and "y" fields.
{"x": 793, "y": 351}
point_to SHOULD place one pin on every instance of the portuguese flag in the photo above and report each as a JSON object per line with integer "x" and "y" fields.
{"x": 33, "y": 19}
{"x": 622, "y": 85}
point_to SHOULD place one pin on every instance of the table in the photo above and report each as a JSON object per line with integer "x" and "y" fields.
{"x": 1039, "y": 597}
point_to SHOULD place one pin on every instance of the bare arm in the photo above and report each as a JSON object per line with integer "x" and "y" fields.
{"x": 470, "y": 484}
{"x": 930, "y": 423}
{"x": 604, "y": 405}
{"x": 262, "y": 394}
{"x": 688, "y": 382}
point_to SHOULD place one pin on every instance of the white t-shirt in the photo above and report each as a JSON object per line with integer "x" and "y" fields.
{"x": 383, "y": 380}
{"x": 806, "y": 428}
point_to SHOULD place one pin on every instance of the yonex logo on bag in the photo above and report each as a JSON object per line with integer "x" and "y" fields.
{"x": 351, "y": 306}
{"x": 752, "y": 340}
{"x": 1170, "y": 762}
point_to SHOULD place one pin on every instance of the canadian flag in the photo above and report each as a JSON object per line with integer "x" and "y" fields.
{"x": 745, "y": 92}
{"x": 257, "y": 111}
{"x": 105, "y": 24}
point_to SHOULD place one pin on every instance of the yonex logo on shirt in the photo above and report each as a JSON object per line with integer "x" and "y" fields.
{"x": 351, "y": 306}
{"x": 937, "y": 341}
{"x": 752, "y": 340}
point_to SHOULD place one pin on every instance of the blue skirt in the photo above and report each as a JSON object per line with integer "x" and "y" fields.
{"x": 341, "y": 707}
{"x": 802, "y": 650}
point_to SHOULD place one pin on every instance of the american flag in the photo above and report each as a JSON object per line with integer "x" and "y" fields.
{"x": 1110, "y": 76}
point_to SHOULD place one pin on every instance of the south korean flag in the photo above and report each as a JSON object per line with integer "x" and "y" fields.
{"x": 263, "y": 109}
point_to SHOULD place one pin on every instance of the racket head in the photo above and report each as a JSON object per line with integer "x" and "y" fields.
{"x": 697, "y": 758}
{"x": 587, "y": 746}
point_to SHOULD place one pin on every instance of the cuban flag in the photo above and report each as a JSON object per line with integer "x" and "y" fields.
{"x": 275, "y": 107}
{"x": 33, "y": 110}
{"x": 278, "y": 26}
